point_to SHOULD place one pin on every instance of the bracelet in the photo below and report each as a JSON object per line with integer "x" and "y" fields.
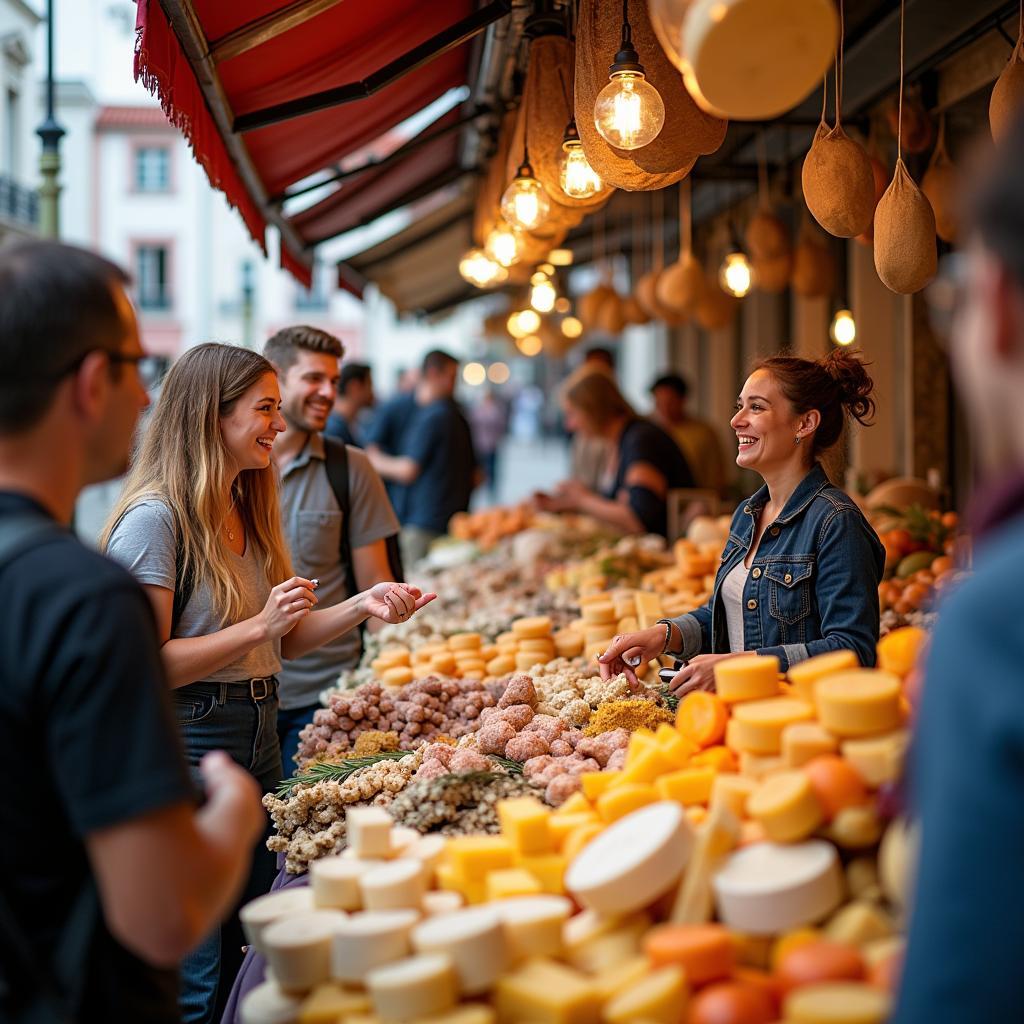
{"x": 668, "y": 635}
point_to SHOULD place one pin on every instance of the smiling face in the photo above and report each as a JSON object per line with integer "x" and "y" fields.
{"x": 253, "y": 423}
{"x": 766, "y": 427}
{"x": 308, "y": 388}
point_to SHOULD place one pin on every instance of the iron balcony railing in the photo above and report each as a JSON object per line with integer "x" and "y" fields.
{"x": 18, "y": 203}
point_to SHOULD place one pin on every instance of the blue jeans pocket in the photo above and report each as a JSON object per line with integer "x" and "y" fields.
{"x": 190, "y": 708}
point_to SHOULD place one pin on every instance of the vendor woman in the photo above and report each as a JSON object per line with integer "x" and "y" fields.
{"x": 800, "y": 571}
{"x": 644, "y": 463}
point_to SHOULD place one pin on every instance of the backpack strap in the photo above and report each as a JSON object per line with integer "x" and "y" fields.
{"x": 48, "y": 998}
{"x": 336, "y": 464}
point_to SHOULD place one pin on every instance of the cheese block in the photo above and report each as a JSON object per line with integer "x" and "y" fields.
{"x": 334, "y": 882}
{"x": 508, "y": 882}
{"x": 837, "y": 1002}
{"x": 717, "y": 835}
{"x": 624, "y": 800}
{"x": 467, "y": 1013}
{"x": 548, "y": 869}
{"x": 858, "y": 923}
{"x": 660, "y": 997}
{"x": 265, "y": 910}
{"x": 472, "y": 857}
{"x": 785, "y": 806}
{"x": 329, "y": 1002}
{"x": 367, "y": 940}
{"x": 706, "y": 952}
{"x": 533, "y": 925}
{"x": 804, "y": 676}
{"x": 633, "y": 861}
{"x": 473, "y": 939}
{"x": 525, "y": 821}
{"x": 674, "y": 746}
{"x": 767, "y": 888}
{"x": 620, "y": 976}
{"x": 864, "y": 702}
{"x": 539, "y": 625}
{"x": 394, "y": 886}
{"x": 756, "y": 726}
{"x": 757, "y": 766}
{"x": 439, "y": 901}
{"x": 878, "y": 759}
{"x": 732, "y": 791}
{"x": 267, "y": 1003}
{"x": 747, "y": 677}
{"x": 413, "y": 988}
{"x": 594, "y": 784}
{"x": 298, "y": 948}
{"x": 545, "y": 992}
{"x": 804, "y": 741}
{"x": 369, "y": 831}
{"x": 688, "y": 786}
{"x": 646, "y": 766}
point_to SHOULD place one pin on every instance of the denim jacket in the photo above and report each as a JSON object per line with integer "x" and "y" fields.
{"x": 812, "y": 586}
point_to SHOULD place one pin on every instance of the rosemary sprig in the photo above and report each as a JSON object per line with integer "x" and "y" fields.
{"x": 670, "y": 699}
{"x": 512, "y": 767}
{"x": 334, "y": 771}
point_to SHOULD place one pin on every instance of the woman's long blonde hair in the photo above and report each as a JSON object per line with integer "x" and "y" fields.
{"x": 182, "y": 461}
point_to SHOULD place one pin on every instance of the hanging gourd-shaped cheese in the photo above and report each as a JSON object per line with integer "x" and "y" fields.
{"x": 755, "y": 59}
{"x": 681, "y": 285}
{"x": 906, "y": 257}
{"x": 772, "y": 275}
{"x": 716, "y": 310}
{"x": 633, "y": 313}
{"x": 838, "y": 185}
{"x": 590, "y": 307}
{"x": 1007, "y": 98}
{"x": 941, "y": 185}
{"x": 814, "y": 267}
{"x": 611, "y": 317}
{"x": 881, "y": 176}
{"x": 688, "y": 132}
{"x": 767, "y": 236}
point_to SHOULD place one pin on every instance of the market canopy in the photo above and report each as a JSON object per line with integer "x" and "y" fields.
{"x": 272, "y": 92}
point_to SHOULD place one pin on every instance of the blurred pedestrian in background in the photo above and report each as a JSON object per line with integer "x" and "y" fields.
{"x": 696, "y": 438}
{"x": 489, "y": 420}
{"x": 354, "y": 399}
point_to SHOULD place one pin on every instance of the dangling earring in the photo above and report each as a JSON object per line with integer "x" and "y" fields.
{"x": 798, "y": 439}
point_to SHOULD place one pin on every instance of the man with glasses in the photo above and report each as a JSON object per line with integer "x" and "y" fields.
{"x": 967, "y": 772}
{"x": 108, "y": 874}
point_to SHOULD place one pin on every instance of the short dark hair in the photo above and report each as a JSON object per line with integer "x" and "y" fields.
{"x": 353, "y": 371}
{"x": 282, "y": 349}
{"x": 997, "y": 203}
{"x": 57, "y": 304}
{"x": 437, "y": 360}
{"x": 601, "y": 354}
{"x": 674, "y": 381}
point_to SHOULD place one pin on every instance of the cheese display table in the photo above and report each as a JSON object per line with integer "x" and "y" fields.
{"x": 493, "y": 833}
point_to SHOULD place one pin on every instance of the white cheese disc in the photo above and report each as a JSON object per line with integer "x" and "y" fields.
{"x": 298, "y": 948}
{"x": 335, "y": 882}
{"x": 267, "y": 1004}
{"x": 396, "y": 885}
{"x": 633, "y": 861}
{"x": 414, "y": 988}
{"x": 533, "y": 925}
{"x": 767, "y": 888}
{"x": 265, "y": 910}
{"x": 368, "y": 940}
{"x": 474, "y": 939}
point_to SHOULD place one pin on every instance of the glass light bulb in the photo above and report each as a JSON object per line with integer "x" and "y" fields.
{"x": 525, "y": 203}
{"x": 578, "y": 179}
{"x": 542, "y": 296}
{"x": 480, "y": 270}
{"x": 735, "y": 275}
{"x": 523, "y": 322}
{"x": 474, "y": 374}
{"x": 629, "y": 112}
{"x": 498, "y": 373}
{"x": 502, "y": 246}
{"x": 530, "y": 345}
{"x": 844, "y": 328}
{"x": 571, "y": 327}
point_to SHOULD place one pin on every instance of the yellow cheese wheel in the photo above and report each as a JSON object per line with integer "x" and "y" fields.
{"x": 757, "y": 766}
{"x": 427, "y": 651}
{"x": 469, "y": 654}
{"x": 784, "y": 805}
{"x": 398, "y": 676}
{"x": 803, "y": 741}
{"x": 878, "y": 759}
{"x": 837, "y": 1002}
{"x": 506, "y": 637}
{"x": 443, "y": 663}
{"x": 525, "y": 660}
{"x": 539, "y": 643}
{"x": 472, "y": 669}
{"x": 465, "y": 641}
{"x": 805, "y": 674}
{"x": 489, "y": 651}
{"x": 568, "y": 644}
{"x": 599, "y": 614}
{"x": 600, "y": 634}
{"x": 539, "y": 625}
{"x": 501, "y": 666}
{"x": 593, "y": 651}
{"x": 747, "y": 677}
{"x": 863, "y": 702}
{"x": 732, "y": 791}
{"x": 757, "y": 726}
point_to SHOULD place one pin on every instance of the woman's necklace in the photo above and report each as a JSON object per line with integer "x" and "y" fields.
{"x": 227, "y": 523}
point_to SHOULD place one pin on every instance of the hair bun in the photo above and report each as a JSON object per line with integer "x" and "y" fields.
{"x": 854, "y": 383}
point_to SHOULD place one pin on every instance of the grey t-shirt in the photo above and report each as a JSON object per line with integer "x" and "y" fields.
{"x": 143, "y": 542}
{"x": 732, "y": 599}
{"x": 311, "y": 517}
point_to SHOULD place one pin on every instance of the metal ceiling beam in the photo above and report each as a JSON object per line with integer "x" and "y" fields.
{"x": 261, "y": 30}
{"x": 185, "y": 23}
{"x": 439, "y": 44}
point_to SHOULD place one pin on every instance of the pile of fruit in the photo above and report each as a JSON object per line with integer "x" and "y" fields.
{"x": 733, "y": 864}
{"x": 924, "y": 554}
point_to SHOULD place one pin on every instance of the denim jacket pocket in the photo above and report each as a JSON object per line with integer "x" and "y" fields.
{"x": 789, "y": 590}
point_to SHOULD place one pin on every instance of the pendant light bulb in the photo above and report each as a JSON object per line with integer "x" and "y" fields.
{"x": 735, "y": 275}
{"x": 629, "y": 112}
{"x": 480, "y": 270}
{"x": 525, "y": 204}
{"x": 844, "y": 328}
{"x": 578, "y": 179}
{"x": 543, "y": 296}
{"x": 502, "y": 246}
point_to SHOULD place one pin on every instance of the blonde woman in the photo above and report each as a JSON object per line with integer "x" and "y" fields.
{"x": 198, "y": 524}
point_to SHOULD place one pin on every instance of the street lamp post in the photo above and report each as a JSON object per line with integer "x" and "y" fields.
{"x": 49, "y": 160}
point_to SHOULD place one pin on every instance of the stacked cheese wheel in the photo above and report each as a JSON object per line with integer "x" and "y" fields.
{"x": 462, "y": 656}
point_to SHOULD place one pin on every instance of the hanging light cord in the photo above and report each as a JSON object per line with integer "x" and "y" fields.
{"x": 627, "y": 29}
{"x": 899, "y": 118}
{"x": 839, "y": 64}
{"x": 685, "y": 218}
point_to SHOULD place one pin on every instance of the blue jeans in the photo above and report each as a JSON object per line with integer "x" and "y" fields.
{"x": 290, "y": 722}
{"x": 219, "y": 716}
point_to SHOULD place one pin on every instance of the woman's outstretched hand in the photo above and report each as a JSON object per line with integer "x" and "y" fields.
{"x": 697, "y": 674}
{"x": 626, "y": 653}
{"x": 394, "y": 602}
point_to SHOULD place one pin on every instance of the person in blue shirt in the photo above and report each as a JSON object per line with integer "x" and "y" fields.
{"x": 436, "y": 463}
{"x": 383, "y": 436}
{"x": 354, "y": 398}
{"x": 966, "y": 773}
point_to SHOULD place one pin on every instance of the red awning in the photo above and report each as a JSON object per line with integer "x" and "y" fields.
{"x": 223, "y": 70}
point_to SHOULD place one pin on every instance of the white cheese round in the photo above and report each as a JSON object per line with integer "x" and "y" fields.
{"x": 298, "y": 948}
{"x": 368, "y": 940}
{"x": 475, "y": 941}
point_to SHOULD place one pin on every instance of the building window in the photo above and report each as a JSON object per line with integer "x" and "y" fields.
{"x": 152, "y": 272}
{"x": 12, "y": 147}
{"x": 152, "y": 169}
{"x": 315, "y": 299}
